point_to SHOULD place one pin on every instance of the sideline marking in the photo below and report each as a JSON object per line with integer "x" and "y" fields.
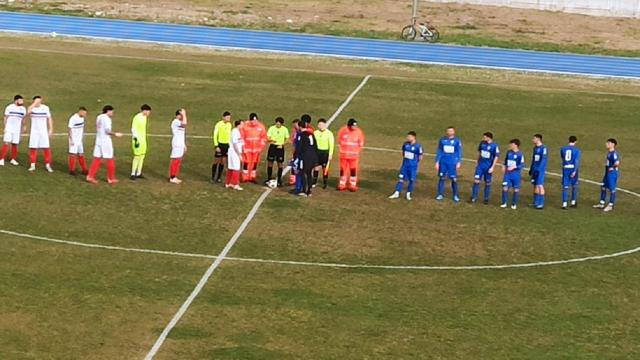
{"x": 218, "y": 260}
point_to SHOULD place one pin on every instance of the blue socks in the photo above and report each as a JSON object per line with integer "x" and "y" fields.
{"x": 410, "y": 186}
{"x": 441, "y": 186}
{"x": 505, "y": 196}
{"x": 399, "y": 186}
{"x": 574, "y": 193}
{"x": 603, "y": 195}
{"x": 516, "y": 197}
{"x": 487, "y": 192}
{"x": 474, "y": 191}
{"x": 565, "y": 195}
{"x": 612, "y": 199}
{"x": 454, "y": 187}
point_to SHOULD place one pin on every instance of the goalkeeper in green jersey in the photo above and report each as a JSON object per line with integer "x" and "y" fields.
{"x": 139, "y": 140}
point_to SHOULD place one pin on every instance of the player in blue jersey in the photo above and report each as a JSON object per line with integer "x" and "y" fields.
{"x": 488, "y": 154}
{"x": 538, "y": 170}
{"x": 412, "y": 154}
{"x": 610, "y": 180}
{"x": 570, "y": 156}
{"x": 513, "y": 165}
{"x": 448, "y": 158}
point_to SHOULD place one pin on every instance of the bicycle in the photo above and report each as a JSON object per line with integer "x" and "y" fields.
{"x": 427, "y": 32}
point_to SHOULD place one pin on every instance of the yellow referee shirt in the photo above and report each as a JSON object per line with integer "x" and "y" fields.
{"x": 278, "y": 135}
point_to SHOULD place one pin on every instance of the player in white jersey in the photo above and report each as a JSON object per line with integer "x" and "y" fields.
{"x": 178, "y": 145}
{"x": 41, "y": 130}
{"x": 104, "y": 147}
{"x": 234, "y": 163}
{"x": 76, "y": 146}
{"x": 14, "y": 115}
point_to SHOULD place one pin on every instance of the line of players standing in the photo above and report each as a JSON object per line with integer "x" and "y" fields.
{"x": 449, "y": 158}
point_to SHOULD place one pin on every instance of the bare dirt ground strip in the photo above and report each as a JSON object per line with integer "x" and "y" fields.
{"x": 367, "y": 17}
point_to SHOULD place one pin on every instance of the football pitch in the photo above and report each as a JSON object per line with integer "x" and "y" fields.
{"x": 97, "y": 272}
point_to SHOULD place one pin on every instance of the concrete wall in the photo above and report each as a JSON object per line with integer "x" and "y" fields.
{"x": 618, "y": 8}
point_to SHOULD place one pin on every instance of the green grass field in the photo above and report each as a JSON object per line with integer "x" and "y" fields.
{"x": 67, "y": 302}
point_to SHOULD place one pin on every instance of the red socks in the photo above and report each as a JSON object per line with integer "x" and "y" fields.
{"x": 14, "y": 151}
{"x": 33, "y": 155}
{"x": 111, "y": 169}
{"x": 83, "y": 164}
{"x": 72, "y": 163}
{"x": 3, "y": 153}
{"x": 95, "y": 166}
{"x": 81, "y": 161}
{"x": 47, "y": 156}
{"x": 174, "y": 168}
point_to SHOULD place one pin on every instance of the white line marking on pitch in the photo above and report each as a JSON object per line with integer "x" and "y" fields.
{"x": 325, "y": 264}
{"x": 187, "y": 303}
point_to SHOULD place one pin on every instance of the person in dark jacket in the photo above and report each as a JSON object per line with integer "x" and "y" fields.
{"x": 307, "y": 153}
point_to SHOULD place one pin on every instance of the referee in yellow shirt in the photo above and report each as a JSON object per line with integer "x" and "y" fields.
{"x": 221, "y": 137}
{"x": 326, "y": 144}
{"x": 277, "y": 135}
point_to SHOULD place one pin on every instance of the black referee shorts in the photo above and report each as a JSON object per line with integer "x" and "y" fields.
{"x": 275, "y": 154}
{"x": 323, "y": 157}
{"x": 224, "y": 150}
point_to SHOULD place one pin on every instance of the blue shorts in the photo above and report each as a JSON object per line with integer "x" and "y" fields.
{"x": 537, "y": 178}
{"x": 567, "y": 180}
{"x": 448, "y": 169}
{"x": 610, "y": 180}
{"x": 512, "y": 180}
{"x": 482, "y": 172}
{"x": 408, "y": 173}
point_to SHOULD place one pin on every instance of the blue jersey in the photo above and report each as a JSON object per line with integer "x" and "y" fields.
{"x": 514, "y": 160}
{"x": 539, "y": 161}
{"x": 612, "y": 161}
{"x": 570, "y": 156}
{"x": 449, "y": 150}
{"x": 488, "y": 152}
{"x": 411, "y": 154}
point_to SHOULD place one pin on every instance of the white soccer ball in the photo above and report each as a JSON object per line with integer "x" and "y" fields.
{"x": 54, "y": 34}
{"x": 272, "y": 184}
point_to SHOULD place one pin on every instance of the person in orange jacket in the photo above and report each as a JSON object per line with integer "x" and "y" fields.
{"x": 254, "y": 136}
{"x": 350, "y": 142}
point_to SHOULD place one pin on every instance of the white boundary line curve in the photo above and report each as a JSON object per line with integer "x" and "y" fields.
{"x": 225, "y": 251}
{"x": 325, "y": 264}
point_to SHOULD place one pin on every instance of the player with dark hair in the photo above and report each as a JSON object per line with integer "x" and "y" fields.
{"x": 412, "y": 154}
{"x": 76, "y": 143}
{"x": 178, "y": 145}
{"x": 538, "y": 171}
{"x": 14, "y": 115}
{"x": 221, "y": 138}
{"x": 570, "y": 156}
{"x": 307, "y": 153}
{"x": 139, "y": 125}
{"x": 103, "y": 149}
{"x": 277, "y": 136}
{"x": 488, "y": 154}
{"x": 610, "y": 180}
{"x": 513, "y": 165}
{"x": 326, "y": 146}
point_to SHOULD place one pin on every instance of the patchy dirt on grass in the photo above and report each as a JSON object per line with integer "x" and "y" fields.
{"x": 380, "y": 18}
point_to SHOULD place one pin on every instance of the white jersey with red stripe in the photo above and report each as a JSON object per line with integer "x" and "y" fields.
{"x": 39, "y": 119}
{"x": 178, "y": 132}
{"x": 103, "y": 129}
{"x": 15, "y": 115}
{"x": 76, "y": 127}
